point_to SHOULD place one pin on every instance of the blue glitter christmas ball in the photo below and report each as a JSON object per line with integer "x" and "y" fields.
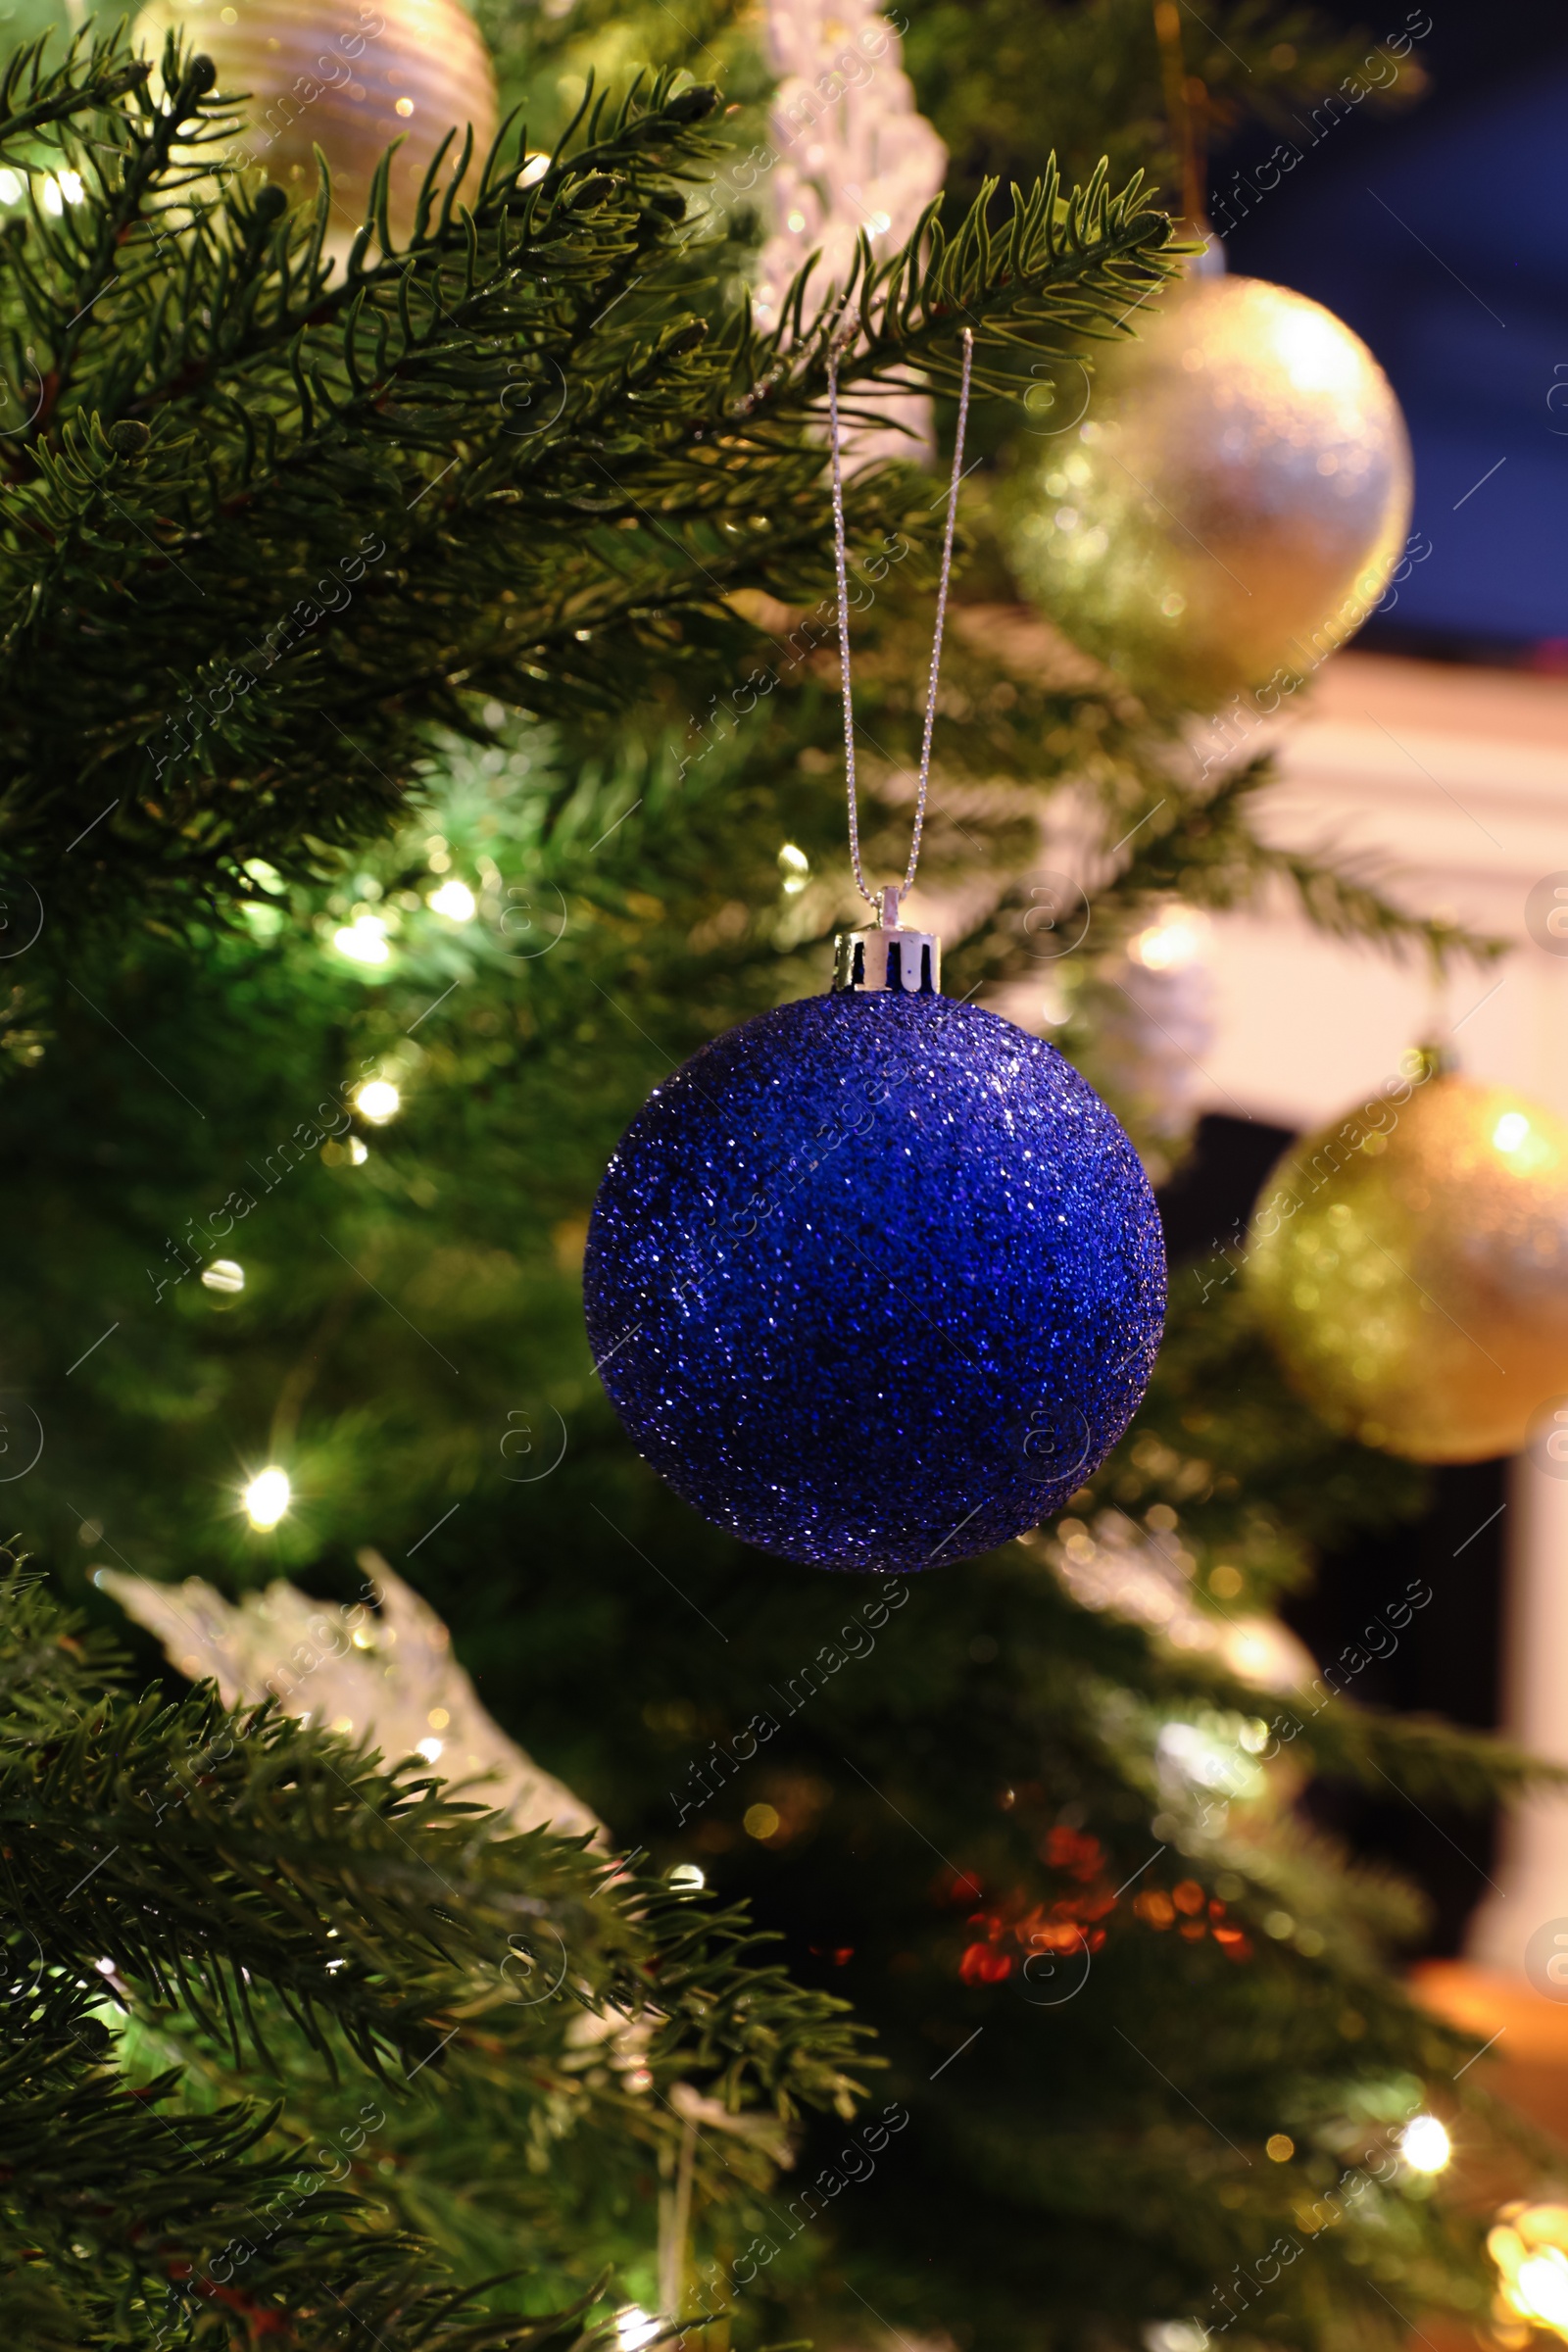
{"x": 874, "y": 1281}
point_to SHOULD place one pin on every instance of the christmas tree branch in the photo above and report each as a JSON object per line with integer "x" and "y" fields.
{"x": 256, "y": 1892}
{"x": 83, "y": 83}
{"x": 381, "y": 1912}
{"x": 224, "y": 427}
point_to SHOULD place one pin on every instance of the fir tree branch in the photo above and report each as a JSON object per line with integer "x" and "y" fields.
{"x": 91, "y": 84}
{"x": 297, "y": 419}
{"x": 261, "y": 1887}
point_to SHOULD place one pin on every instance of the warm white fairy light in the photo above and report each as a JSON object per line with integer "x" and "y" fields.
{"x": 363, "y": 941}
{"x": 1425, "y": 2146}
{"x": 266, "y": 1497}
{"x": 1541, "y": 2285}
{"x": 455, "y": 899}
{"x": 377, "y": 1101}
{"x": 1176, "y": 939}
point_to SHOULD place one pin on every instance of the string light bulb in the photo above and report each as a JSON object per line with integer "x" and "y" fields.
{"x": 266, "y": 1497}
{"x": 1543, "y": 2283}
{"x": 1176, "y": 939}
{"x": 1425, "y": 2146}
{"x": 795, "y": 867}
{"x": 455, "y": 899}
{"x": 363, "y": 941}
{"x": 377, "y": 1101}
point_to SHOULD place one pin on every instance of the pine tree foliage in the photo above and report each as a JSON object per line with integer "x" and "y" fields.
{"x": 337, "y": 498}
{"x": 409, "y": 1339}
{"x": 1054, "y": 1857}
{"x": 272, "y": 1903}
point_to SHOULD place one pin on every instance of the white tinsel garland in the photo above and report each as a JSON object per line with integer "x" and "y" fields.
{"x": 848, "y": 153}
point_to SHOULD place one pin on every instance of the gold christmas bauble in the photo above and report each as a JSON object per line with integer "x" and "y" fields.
{"x": 347, "y": 77}
{"x": 1233, "y": 502}
{"x": 1411, "y": 1267}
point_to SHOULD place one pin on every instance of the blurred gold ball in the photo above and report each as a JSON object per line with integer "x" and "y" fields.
{"x": 347, "y": 78}
{"x": 1410, "y": 1268}
{"x": 1233, "y": 502}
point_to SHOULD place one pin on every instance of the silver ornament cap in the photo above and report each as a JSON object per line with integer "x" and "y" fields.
{"x": 886, "y": 956}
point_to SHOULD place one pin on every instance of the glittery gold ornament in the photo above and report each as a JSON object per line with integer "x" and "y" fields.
{"x": 1233, "y": 502}
{"x": 347, "y": 78}
{"x": 1411, "y": 1267}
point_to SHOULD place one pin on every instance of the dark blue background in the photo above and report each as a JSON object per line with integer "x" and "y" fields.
{"x": 1441, "y": 234}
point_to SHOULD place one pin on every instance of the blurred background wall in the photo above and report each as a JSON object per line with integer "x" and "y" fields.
{"x": 1438, "y": 748}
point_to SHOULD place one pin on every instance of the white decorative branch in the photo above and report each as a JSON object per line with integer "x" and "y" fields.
{"x": 381, "y": 1670}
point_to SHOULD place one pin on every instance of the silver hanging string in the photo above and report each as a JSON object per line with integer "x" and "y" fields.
{"x": 886, "y": 902}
